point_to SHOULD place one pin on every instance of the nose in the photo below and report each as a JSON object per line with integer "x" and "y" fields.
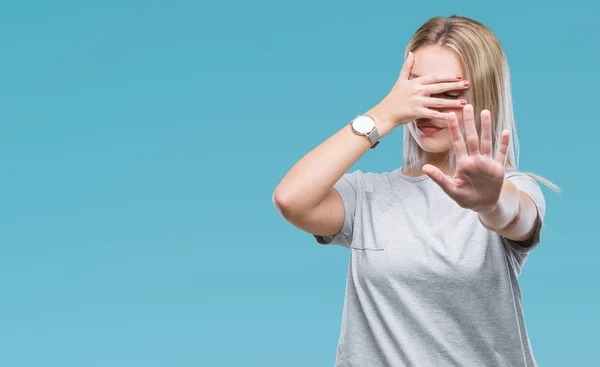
{"x": 442, "y": 109}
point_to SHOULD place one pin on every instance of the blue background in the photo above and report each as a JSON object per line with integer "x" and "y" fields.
{"x": 141, "y": 141}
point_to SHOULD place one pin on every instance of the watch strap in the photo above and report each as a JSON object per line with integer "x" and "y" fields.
{"x": 374, "y": 137}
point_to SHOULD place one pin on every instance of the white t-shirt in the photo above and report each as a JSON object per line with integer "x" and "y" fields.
{"x": 427, "y": 284}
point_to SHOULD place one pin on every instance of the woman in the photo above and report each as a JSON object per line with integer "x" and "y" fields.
{"x": 438, "y": 244}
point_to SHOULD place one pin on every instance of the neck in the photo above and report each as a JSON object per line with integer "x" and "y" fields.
{"x": 439, "y": 160}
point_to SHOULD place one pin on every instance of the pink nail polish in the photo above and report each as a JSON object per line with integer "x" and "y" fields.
{"x": 466, "y": 83}
{"x": 459, "y": 77}
{"x": 463, "y": 102}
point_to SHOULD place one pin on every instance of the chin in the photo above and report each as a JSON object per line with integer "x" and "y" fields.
{"x": 433, "y": 148}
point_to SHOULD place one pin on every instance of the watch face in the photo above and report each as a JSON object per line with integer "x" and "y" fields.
{"x": 363, "y": 124}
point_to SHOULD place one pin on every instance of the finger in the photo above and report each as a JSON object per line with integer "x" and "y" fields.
{"x": 503, "y": 147}
{"x": 443, "y": 102}
{"x": 433, "y": 114}
{"x": 470, "y": 130}
{"x": 457, "y": 139}
{"x": 446, "y": 87}
{"x": 407, "y": 66}
{"x": 439, "y": 178}
{"x": 437, "y": 78}
{"x": 486, "y": 133}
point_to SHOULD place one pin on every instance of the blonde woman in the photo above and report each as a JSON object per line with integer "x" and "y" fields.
{"x": 437, "y": 245}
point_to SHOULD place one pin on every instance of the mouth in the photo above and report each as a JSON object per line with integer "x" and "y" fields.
{"x": 428, "y": 127}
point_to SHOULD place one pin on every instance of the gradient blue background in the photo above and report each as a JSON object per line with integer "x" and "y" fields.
{"x": 141, "y": 141}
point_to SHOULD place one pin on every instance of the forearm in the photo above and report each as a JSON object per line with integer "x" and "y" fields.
{"x": 309, "y": 180}
{"x": 513, "y": 217}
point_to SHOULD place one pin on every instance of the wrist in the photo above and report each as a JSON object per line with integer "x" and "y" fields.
{"x": 488, "y": 210}
{"x": 383, "y": 121}
{"x": 497, "y": 220}
{"x": 503, "y": 213}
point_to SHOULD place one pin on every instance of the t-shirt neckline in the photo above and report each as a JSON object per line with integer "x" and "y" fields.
{"x": 422, "y": 177}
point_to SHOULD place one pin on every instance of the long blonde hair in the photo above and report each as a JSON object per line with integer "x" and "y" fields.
{"x": 486, "y": 67}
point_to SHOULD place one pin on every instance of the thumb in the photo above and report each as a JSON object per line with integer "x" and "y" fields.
{"x": 439, "y": 178}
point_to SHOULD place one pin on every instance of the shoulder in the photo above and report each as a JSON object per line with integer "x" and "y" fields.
{"x": 515, "y": 173}
{"x": 370, "y": 181}
{"x": 522, "y": 180}
{"x": 527, "y": 184}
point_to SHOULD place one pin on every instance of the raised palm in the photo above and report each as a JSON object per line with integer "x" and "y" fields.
{"x": 478, "y": 180}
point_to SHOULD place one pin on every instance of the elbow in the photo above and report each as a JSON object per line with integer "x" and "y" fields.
{"x": 282, "y": 202}
{"x": 285, "y": 203}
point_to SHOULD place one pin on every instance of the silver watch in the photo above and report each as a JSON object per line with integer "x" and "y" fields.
{"x": 365, "y": 125}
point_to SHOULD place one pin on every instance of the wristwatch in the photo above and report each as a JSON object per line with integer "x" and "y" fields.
{"x": 365, "y": 125}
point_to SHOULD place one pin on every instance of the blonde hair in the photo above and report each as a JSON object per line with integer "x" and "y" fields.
{"x": 485, "y": 66}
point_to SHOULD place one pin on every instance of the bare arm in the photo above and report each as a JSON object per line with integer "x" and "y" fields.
{"x": 305, "y": 196}
{"x": 515, "y": 215}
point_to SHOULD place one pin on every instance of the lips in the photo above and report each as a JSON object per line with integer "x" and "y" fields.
{"x": 427, "y": 124}
{"x": 428, "y": 128}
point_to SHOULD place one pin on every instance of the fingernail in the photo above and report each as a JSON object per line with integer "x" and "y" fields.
{"x": 466, "y": 83}
{"x": 463, "y": 102}
{"x": 459, "y": 77}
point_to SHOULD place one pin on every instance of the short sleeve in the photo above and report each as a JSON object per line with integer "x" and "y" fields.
{"x": 348, "y": 187}
{"x": 529, "y": 186}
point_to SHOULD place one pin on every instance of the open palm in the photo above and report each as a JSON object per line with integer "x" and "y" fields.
{"x": 478, "y": 180}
